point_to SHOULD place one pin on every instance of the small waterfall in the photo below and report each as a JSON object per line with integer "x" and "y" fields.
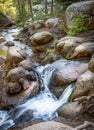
{"x": 44, "y": 105}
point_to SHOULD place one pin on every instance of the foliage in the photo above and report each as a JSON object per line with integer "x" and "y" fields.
{"x": 55, "y": 42}
{"x": 78, "y": 25}
{"x": 40, "y": 15}
{"x": 8, "y": 7}
{"x": 48, "y": 51}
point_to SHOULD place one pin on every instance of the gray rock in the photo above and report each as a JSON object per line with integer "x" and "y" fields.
{"x": 84, "y": 85}
{"x": 85, "y": 8}
{"x": 50, "y": 125}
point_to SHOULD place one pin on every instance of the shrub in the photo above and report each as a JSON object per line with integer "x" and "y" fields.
{"x": 78, "y": 25}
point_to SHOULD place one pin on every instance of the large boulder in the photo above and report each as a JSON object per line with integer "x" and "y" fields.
{"x": 8, "y": 101}
{"x": 84, "y": 49}
{"x": 5, "y": 21}
{"x": 77, "y": 9}
{"x": 41, "y": 38}
{"x": 75, "y": 47}
{"x": 18, "y": 79}
{"x": 14, "y": 56}
{"x": 67, "y": 72}
{"x": 52, "y": 22}
{"x": 91, "y": 64}
{"x": 50, "y": 125}
{"x": 84, "y": 85}
{"x": 68, "y": 44}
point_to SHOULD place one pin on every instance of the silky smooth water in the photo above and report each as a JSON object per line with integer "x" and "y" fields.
{"x": 44, "y": 105}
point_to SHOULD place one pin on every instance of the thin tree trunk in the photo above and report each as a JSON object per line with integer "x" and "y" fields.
{"x": 30, "y": 7}
{"x": 46, "y": 9}
{"x": 52, "y": 5}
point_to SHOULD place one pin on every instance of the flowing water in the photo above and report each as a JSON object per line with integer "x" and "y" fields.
{"x": 43, "y": 106}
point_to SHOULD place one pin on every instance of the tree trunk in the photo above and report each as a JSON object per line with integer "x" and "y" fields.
{"x": 46, "y": 9}
{"x": 52, "y": 2}
{"x": 30, "y": 8}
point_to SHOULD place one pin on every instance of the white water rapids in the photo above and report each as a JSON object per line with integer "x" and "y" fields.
{"x": 43, "y": 106}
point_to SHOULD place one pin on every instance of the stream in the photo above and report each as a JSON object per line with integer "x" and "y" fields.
{"x": 44, "y": 105}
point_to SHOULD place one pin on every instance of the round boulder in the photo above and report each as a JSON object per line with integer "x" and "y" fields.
{"x": 52, "y": 22}
{"x": 14, "y": 56}
{"x": 41, "y": 38}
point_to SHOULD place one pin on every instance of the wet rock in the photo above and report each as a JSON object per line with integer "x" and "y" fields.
{"x": 84, "y": 85}
{"x": 14, "y": 56}
{"x": 91, "y": 64}
{"x": 27, "y": 64}
{"x": 41, "y": 38}
{"x": 2, "y": 39}
{"x": 67, "y": 72}
{"x": 8, "y": 101}
{"x": 52, "y": 125}
{"x": 52, "y": 22}
{"x": 9, "y": 43}
{"x": 15, "y": 74}
{"x": 70, "y": 110}
{"x": 84, "y": 49}
{"x": 13, "y": 88}
{"x": 18, "y": 79}
{"x": 51, "y": 57}
{"x": 68, "y": 44}
{"x": 85, "y": 9}
{"x": 5, "y": 21}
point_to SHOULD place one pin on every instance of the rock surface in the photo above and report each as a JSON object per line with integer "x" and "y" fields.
{"x": 68, "y": 44}
{"x": 5, "y": 21}
{"x": 14, "y": 56}
{"x": 70, "y": 110}
{"x": 51, "y": 125}
{"x": 67, "y": 72}
{"x": 41, "y": 38}
{"x": 91, "y": 64}
{"x": 8, "y": 101}
{"x": 52, "y": 22}
{"x": 84, "y": 85}
{"x": 85, "y": 9}
{"x": 84, "y": 49}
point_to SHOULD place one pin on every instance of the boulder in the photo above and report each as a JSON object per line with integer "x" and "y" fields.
{"x": 91, "y": 64}
{"x": 41, "y": 38}
{"x": 67, "y": 72}
{"x": 49, "y": 125}
{"x": 68, "y": 44}
{"x": 5, "y": 21}
{"x": 70, "y": 110}
{"x": 84, "y": 49}
{"x": 8, "y": 101}
{"x": 84, "y": 85}
{"x": 27, "y": 64}
{"x": 85, "y": 9}
{"x": 14, "y": 56}
{"x": 18, "y": 79}
{"x": 52, "y": 22}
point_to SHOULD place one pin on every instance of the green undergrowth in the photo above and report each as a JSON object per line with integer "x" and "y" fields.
{"x": 79, "y": 25}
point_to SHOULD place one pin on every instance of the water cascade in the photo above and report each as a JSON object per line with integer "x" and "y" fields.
{"x": 43, "y": 106}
